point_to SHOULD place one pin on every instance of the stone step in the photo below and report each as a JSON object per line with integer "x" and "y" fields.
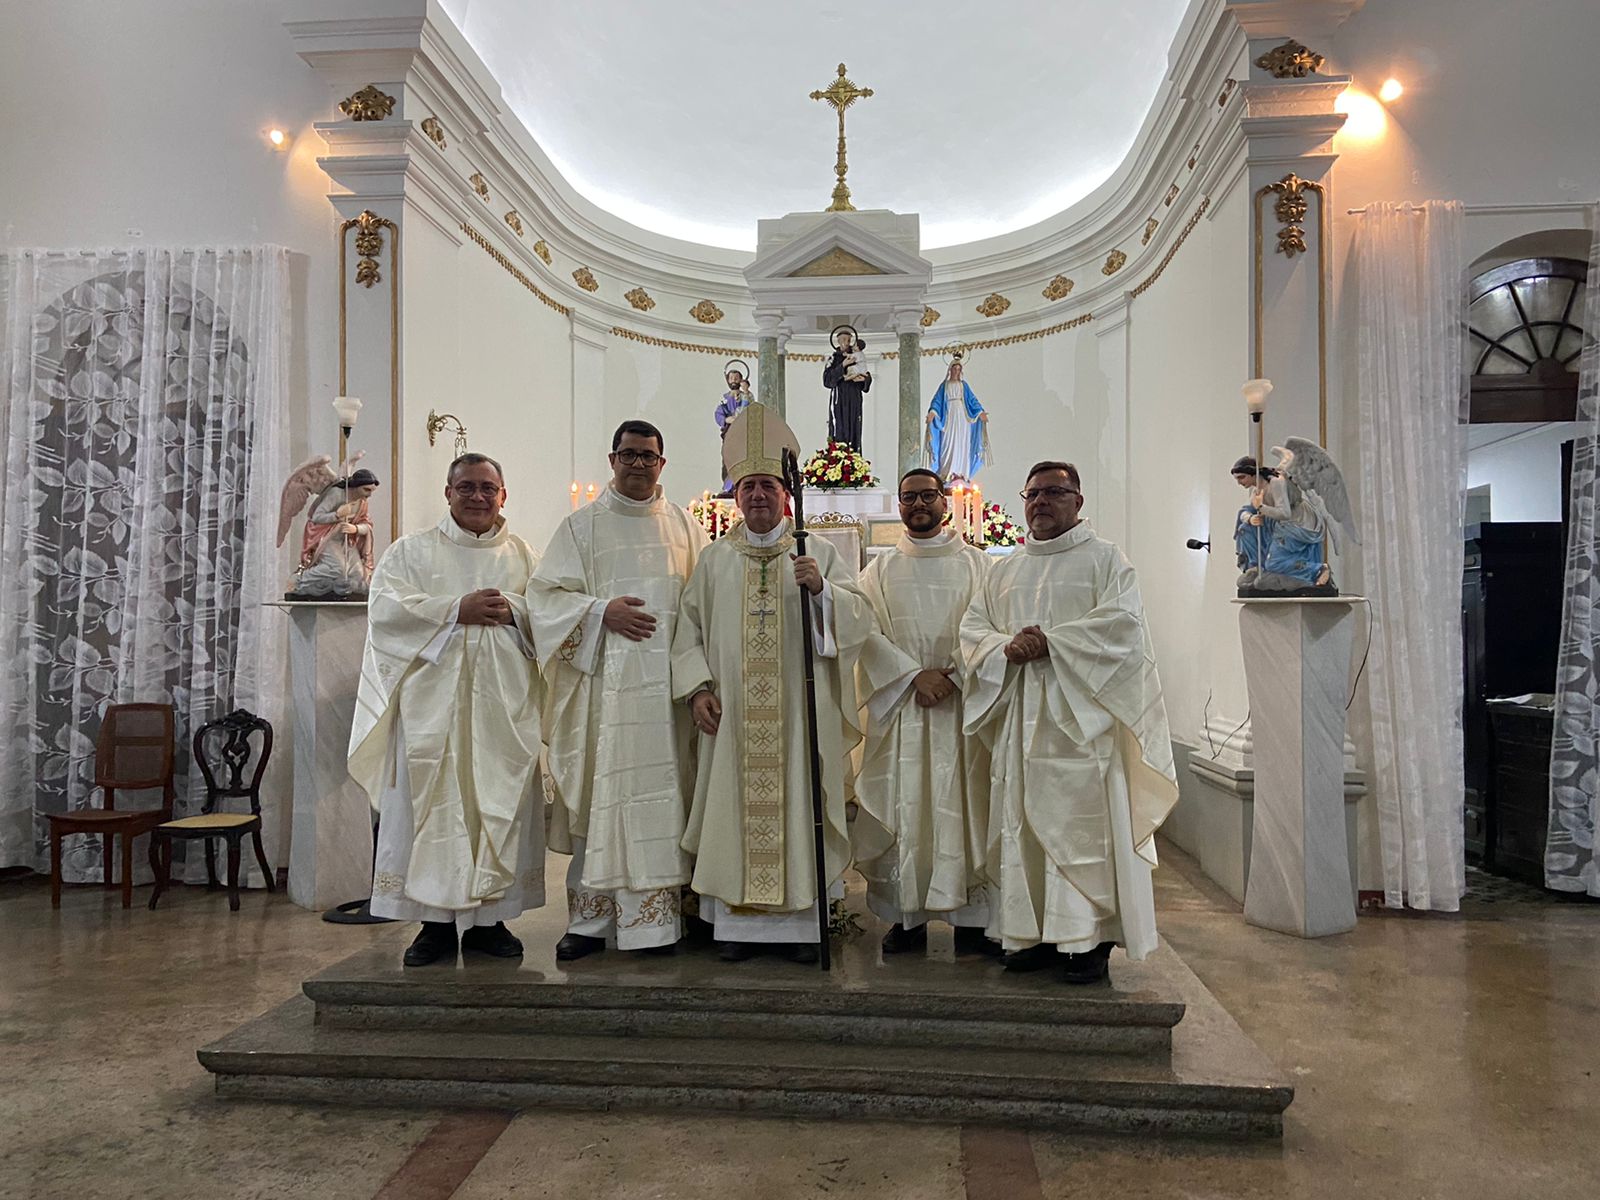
{"x": 1217, "y": 1089}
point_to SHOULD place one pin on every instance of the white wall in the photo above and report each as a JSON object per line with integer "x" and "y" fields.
{"x": 1522, "y": 472}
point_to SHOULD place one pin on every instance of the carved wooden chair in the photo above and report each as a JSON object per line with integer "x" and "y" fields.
{"x": 222, "y": 748}
{"x": 134, "y": 752}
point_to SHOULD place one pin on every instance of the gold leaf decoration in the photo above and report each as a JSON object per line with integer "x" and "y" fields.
{"x": 1227, "y": 90}
{"x": 1290, "y": 209}
{"x": 1291, "y": 61}
{"x": 993, "y": 305}
{"x": 1115, "y": 261}
{"x": 435, "y": 132}
{"x": 585, "y": 279}
{"x": 479, "y": 185}
{"x": 640, "y": 299}
{"x": 929, "y": 316}
{"x": 542, "y": 250}
{"x": 369, "y": 244}
{"x": 1194, "y": 156}
{"x": 1058, "y": 288}
{"x": 515, "y": 221}
{"x": 369, "y": 104}
{"x": 837, "y": 261}
{"x": 1150, "y": 227}
{"x": 706, "y": 313}
{"x": 1172, "y": 194}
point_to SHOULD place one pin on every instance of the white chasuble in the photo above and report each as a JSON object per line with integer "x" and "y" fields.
{"x": 620, "y": 751}
{"x": 446, "y": 736}
{"x": 750, "y": 825}
{"x": 1082, "y": 772}
{"x": 923, "y": 790}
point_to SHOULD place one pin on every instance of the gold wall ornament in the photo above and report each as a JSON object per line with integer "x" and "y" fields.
{"x": 1172, "y": 194}
{"x": 1290, "y": 209}
{"x": 929, "y": 316}
{"x": 841, "y": 94}
{"x": 837, "y": 261}
{"x": 438, "y": 422}
{"x": 515, "y": 221}
{"x": 1227, "y": 90}
{"x": 640, "y": 299}
{"x": 993, "y": 305}
{"x": 706, "y": 313}
{"x": 1291, "y": 61}
{"x": 1058, "y": 288}
{"x": 585, "y": 279}
{"x": 687, "y": 347}
{"x": 435, "y": 132}
{"x": 1183, "y": 236}
{"x": 369, "y": 104}
{"x": 1115, "y": 261}
{"x": 369, "y": 227}
{"x": 1150, "y": 228}
{"x": 511, "y": 269}
{"x": 542, "y": 250}
{"x": 479, "y": 185}
{"x": 1194, "y": 156}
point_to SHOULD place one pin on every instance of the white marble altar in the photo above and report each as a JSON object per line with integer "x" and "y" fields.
{"x": 330, "y": 853}
{"x": 849, "y": 502}
{"x": 1297, "y": 667}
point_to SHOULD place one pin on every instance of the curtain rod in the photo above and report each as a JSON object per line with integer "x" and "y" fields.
{"x": 1491, "y": 210}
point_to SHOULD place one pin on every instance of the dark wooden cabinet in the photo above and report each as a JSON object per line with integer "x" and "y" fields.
{"x": 1510, "y": 628}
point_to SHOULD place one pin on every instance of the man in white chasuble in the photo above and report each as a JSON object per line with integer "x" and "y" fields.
{"x": 923, "y": 790}
{"x": 604, "y": 605}
{"x": 1061, "y": 684}
{"x": 446, "y": 738}
{"x": 737, "y": 659}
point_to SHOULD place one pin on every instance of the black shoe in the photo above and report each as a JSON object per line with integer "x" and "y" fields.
{"x": 495, "y": 940}
{"x": 1091, "y": 966}
{"x": 1034, "y": 958}
{"x": 900, "y": 940}
{"x": 972, "y": 940}
{"x": 801, "y": 952}
{"x": 657, "y": 951}
{"x": 436, "y": 941}
{"x": 737, "y": 951}
{"x": 574, "y": 946}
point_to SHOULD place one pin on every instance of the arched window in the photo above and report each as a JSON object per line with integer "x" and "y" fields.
{"x": 1524, "y": 339}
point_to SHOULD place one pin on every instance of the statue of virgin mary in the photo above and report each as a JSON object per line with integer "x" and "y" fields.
{"x": 958, "y": 427}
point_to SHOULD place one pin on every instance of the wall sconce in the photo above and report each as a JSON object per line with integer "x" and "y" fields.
{"x": 440, "y": 421}
{"x": 1391, "y": 90}
{"x": 1197, "y": 544}
{"x": 347, "y": 408}
{"x": 278, "y": 139}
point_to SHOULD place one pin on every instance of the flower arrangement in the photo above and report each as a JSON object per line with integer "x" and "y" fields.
{"x": 839, "y": 465}
{"x": 998, "y": 527}
{"x": 715, "y": 514}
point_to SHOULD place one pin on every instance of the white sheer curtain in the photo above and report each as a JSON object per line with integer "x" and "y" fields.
{"x": 1571, "y": 862}
{"x": 144, "y": 410}
{"x": 1414, "y": 393}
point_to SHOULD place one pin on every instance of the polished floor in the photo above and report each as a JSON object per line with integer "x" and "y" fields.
{"x": 1443, "y": 1056}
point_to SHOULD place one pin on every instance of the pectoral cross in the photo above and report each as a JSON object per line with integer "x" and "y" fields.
{"x": 762, "y": 611}
{"x": 841, "y": 93}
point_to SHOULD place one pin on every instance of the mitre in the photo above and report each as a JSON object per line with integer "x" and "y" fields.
{"x": 755, "y": 443}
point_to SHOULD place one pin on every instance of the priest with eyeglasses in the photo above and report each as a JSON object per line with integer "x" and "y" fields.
{"x": 604, "y": 606}
{"x": 1060, "y": 683}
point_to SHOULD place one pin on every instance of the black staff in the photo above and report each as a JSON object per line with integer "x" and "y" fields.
{"x": 792, "y": 481}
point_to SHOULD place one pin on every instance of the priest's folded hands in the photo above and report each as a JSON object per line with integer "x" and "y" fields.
{"x": 1027, "y": 646}
{"x": 486, "y": 606}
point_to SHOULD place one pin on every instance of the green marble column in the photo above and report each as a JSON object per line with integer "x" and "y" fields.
{"x": 770, "y": 369}
{"x": 910, "y": 403}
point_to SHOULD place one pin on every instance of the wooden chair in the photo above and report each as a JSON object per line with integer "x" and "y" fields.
{"x": 224, "y": 743}
{"x": 134, "y": 753}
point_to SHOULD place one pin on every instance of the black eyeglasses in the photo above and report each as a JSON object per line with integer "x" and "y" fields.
{"x": 930, "y": 497}
{"x": 1049, "y": 493}
{"x": 638, "y": 458}
{"x": 468, "y": 490}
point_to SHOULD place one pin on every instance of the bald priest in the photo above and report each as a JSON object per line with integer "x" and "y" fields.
{"x": 446, "y": 737}
{"x": 737, "y": 660}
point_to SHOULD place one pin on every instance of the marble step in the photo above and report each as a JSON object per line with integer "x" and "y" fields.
{"x": 1218, "y": 1085}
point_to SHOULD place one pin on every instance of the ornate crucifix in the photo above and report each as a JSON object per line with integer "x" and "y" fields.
{"x": 763, "y": 610}
{"x": 841, "y": 93}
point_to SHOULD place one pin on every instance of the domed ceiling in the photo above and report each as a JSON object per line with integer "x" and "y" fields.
{"x": 694, "y": 119}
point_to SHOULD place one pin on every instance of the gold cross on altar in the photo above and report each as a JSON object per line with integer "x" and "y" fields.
{"x": 841, "y": 93}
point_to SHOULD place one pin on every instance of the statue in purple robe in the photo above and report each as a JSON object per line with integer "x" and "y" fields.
{"x": 738, "y": 397}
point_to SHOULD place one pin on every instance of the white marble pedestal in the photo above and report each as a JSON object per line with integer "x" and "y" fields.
{"x": 1297, "y": 667}
{"x": 848, "y": 502}
{"x": 330, "y": 854}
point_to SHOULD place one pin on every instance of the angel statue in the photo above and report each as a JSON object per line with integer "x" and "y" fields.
{"x": 336, "y": 545}
{"x": 1306, "y": 502}
{"x": 957, "y": 441}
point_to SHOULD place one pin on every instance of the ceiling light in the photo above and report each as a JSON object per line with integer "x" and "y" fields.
{"x": 1390, "y": 91}
{"x": 278, "y": 138}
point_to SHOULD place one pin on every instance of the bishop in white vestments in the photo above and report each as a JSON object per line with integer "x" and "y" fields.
{"x": 737, "y": 661}
{"x": 1061, "y": 684}
{"x": 923, "y": 789}
{"x": 446, "y": 737}
{"x": 604, "y": 605}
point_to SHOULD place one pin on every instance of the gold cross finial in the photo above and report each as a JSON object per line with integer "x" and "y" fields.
{"x": 841, "y": 94}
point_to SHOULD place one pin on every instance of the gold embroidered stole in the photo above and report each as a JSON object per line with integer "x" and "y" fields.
{"x": 761, "y": 766}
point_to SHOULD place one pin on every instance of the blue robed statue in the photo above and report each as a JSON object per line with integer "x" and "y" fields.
{"x": 958, "y": 428}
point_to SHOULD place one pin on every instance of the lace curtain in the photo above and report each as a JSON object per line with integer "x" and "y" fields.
{"x": 144, "y": 430}
{"x": 1413, "y": 398}
{"x": 1570, "y": 860}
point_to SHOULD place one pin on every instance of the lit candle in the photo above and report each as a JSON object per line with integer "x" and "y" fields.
{"x": 588, "y": 492}
{"x": 574, "y": 495}
{"x": 977, "y": 493}
{"x": 959, "y": 496}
